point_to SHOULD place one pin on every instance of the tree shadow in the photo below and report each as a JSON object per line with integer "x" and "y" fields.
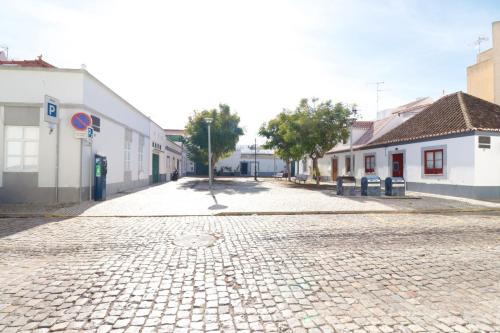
{"x": 413, "y": 201}
{"x": 224, "y": 186}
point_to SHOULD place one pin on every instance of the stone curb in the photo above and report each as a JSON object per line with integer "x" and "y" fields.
{"x": 265, "y": 213}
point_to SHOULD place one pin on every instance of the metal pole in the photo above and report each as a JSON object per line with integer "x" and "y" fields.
{"x": 57, "y": 162}
{"x": 255, "y": 161}
{"x": 209, "y": 159}
{"x": 351, "y": 162}
{"x": 90, "y": 171}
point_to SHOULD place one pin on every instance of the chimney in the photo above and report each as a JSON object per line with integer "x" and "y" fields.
{"x": 3, "y": 56}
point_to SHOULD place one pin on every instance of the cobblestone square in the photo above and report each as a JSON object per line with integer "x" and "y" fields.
{"x": 310, "y": 273}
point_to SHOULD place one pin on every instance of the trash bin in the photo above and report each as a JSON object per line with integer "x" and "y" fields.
{"x": 395, "y": 186}
{"x": 100, "y": 171}
{"x": 346, "y": 185}
{"x": 370, "y": 186}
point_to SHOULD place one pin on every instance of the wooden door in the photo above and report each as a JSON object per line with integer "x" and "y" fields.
{"x": 335, "y": 169}
{"x": 397, "y": 165}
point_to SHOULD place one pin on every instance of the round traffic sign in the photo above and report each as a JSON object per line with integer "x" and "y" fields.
{"x": 81, "y": 121}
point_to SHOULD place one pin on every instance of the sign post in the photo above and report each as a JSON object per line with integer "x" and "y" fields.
{"x": 51, "y": 117}
{"x": 82, "y": 123}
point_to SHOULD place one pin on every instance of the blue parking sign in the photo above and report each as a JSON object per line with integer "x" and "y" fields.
{"x": 51, "y": 110}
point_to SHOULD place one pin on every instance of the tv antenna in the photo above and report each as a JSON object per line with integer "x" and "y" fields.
{"x": 6, "y": 49}
{"x": 478, "y": 42}
{"x": 378, "y": 84}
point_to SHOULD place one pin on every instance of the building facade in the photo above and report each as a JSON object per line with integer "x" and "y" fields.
{"x": 451, "y": 147}
{"x": 483, "y": 78}
{"x": 187, "y": 167}
{"x": 245, "y": 161}
{"x": 52, "y": 163}
{"x": 364, "y": 132}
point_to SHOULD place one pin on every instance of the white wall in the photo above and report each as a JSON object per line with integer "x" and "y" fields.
{"x": 487, "y": 171}
{"x": 100, "y": 98}
{"x": 78, "y": 91}
{"x": 232, "y": 161}
{"x": 29, "y": 85}
{"x": 459, "y": 161}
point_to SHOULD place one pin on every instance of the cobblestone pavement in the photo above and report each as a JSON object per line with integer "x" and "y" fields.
{"x": 336, "y": 273}
{"x": 191, "y": 196}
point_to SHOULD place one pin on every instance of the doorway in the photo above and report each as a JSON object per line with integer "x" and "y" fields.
{"x": 335, "y": 169}
{"x": 397, "y": 165}
{"x": 244, "y": 168}
{"x": 156, "y": 168}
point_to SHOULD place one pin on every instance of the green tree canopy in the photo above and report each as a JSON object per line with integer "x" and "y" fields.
{"x": 312, "y": 130}
{"x": 321, "y": 128}
{"x": 282, "y": 137}
{"x": 224, "y": 131}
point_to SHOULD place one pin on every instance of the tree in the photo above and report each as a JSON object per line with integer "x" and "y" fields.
{"x": 282, "y": 137}
{"x": 224, "y": 132}
{"x": 320, "y": 128}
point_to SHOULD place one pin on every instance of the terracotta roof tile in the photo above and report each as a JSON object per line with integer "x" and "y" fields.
{"x": 27, "y": 63}
{"x": 365, "y": 124}
{"x": 455, "y": 113}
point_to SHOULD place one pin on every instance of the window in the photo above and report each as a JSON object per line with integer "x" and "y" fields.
{"x": 433, "y": 162}
{"x": 369, "y": 163}
{"x": 485, "y": 142}
{"x": 96, "y": 123}
{"x": 347, "y": 164}
{"x": 21, "y": 148}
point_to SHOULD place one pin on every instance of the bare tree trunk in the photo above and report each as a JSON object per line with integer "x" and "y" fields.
{"x": 316, "y": 170}
{"x": 288, "y": 170}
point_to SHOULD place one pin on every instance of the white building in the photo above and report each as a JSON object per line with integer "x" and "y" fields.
{"x": 174, "y": 158}
{"x": 43, "y": 165}
{"x": 187, "y": 167}
{"x": 452, "y": 147}
{"x": 244, "y": 161}
{"x": 364, "y": 132}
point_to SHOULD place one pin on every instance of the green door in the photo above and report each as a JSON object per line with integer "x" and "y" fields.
{"x": 156, "y": 168}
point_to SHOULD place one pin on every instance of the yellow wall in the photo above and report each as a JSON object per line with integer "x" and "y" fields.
{"x": 483, "y": 78}
{"x": 480, "y": 80}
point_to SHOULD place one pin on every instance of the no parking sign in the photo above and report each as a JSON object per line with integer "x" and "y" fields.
{"x": 81, "y": 121}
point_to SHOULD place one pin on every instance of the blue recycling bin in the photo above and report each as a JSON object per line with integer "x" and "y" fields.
{"x": 395, "y": 187}
{"x": 370, "y": 186}
{"x": 100, "y": 171}
{"x": 346, "y": 185}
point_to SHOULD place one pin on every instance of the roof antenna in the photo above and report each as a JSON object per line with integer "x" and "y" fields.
{"x": 478, "y": 42}
{"x": 378, "y": 84}
{"x": 6, "y": 49}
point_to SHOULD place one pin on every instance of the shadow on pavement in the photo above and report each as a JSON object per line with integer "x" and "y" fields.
{"x": 11, "y": 226}
{"x": 224, "y": 186}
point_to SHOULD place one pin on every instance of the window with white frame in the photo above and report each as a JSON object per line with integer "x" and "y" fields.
{"x": 21, "y": 148}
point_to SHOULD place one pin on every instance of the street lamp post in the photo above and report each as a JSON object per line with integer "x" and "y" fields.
{"x": 255, "y": 161}
{"x": 209, "y": 121}
{"x": 351, "y": 124}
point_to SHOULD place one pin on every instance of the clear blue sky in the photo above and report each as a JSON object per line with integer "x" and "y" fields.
{"x": 169, "y": 58}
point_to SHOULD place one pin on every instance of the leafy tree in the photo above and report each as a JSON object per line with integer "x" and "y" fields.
{"x": 321, "y": 127}
{"x": 283, "y": 138}
{"x": 224, "y": 132}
